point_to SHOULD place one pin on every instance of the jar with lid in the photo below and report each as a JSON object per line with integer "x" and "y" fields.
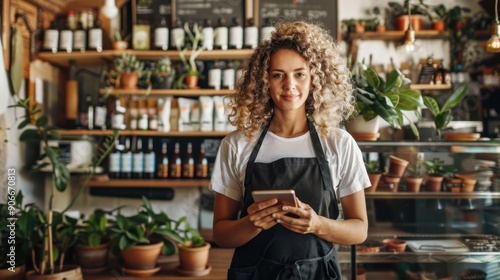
{"x": 142, "y": 123}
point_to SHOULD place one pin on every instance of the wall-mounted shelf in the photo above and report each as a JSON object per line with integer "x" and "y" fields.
{"x": 431, "y": 195}
{"x": 84, "y": 132}
{"x": 429, "y": 87}
{"x": 92, "y": 57}
{"x": 151, "y": 183}
{"x": 397, "y": 35}
{"x": 169, "y": 92}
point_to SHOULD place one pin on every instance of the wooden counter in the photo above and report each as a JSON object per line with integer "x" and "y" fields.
{"x": 219, "y": 259}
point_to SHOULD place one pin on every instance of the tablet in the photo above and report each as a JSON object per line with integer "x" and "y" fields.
{"x": 286, "y": 197}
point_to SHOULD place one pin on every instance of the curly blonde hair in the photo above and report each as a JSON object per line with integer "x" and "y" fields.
{"x": 331, "y": 99}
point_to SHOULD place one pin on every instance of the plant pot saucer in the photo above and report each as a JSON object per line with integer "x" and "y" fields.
{"x": 194, "y": 273}
{"x": 94, "y": 270}
{"x": 141, "y": 272}
{"x": 462, "y": 136}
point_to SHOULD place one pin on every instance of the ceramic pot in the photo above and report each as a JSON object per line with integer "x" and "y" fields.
{"x": 397, "y": 166}
{"x": 129, "y": 80}
{"x": 120, "y": 45}
{"x": 392, "y": 182}
{"x": 468, "y": 183}
{"x": 193, "y": 259}
{"x": 413, "y": 183}
{"x": 439, "y": 26}
{"x": 402, "y": 22}
{"x": 69, "y": 271}
{"x": 191, "y": 82}
{"x": 142, "y": 256}
{"x": 360, "y": 273}
{"x": 452, "y": 184}
{"x": 92, "y": 259}
{"x": 395, "y": 245}
{"x": 359, "y": 125}
{"x": 433, "y": 183}
{"x": 374, "y": 180}
{"x": 16, "y": 275}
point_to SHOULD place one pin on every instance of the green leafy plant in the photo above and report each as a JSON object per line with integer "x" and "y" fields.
{"x": 54, "y": 229}
{"x": 419, "y": 8}
{"x": 415, "y": 170}
{"x": 117, "y": 36}
{"x": 436, "y": 167}
{"x": 442, "y": 115}
{"x": 191, "y": 237}
{"x": 189, "y": 65}
{"x": 387, "y": 99}
{"x": 373, "y": 167}
{"x": 93, "y": 231}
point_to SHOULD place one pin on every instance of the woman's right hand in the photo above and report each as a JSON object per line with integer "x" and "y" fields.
{"x": 260, "y": 214}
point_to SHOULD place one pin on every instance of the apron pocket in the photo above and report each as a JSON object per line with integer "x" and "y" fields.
{"x": 242, "y": 273}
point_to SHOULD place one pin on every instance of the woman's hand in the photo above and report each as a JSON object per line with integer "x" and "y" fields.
{"x": 260, "y": 214}
{"x": 306, "y": 220}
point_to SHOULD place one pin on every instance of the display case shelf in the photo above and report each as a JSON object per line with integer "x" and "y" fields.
{"x": 152, "y": 133}
{"x": 472, "y": 147}
{"x": 431, "y": 195}
{"x": 63, "y": 59}
{"x": 168, "y": 92}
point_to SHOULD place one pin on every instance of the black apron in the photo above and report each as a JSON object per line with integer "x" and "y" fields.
{"x": 278, "y": 253}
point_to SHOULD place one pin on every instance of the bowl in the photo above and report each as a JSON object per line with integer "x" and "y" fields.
{"x": 395, "y": 245}
{"x": 369, "y": 246}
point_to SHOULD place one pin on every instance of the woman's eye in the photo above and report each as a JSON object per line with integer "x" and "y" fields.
{"x": 277, "y": 76}
{"x": 301, "y": 75}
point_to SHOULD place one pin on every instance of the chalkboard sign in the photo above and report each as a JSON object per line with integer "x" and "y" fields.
{"x": 324, "y": 11}
{"x": 150, "y": 12}
{"x": 198, "y": 10}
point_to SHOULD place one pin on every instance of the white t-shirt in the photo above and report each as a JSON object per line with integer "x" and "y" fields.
{"x": 341, "y": 151}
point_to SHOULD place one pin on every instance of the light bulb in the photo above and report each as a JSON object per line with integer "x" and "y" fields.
{"x": 409, "y": 45}
{"x": 109, "y": 9}
{"x": 493, "y": 44}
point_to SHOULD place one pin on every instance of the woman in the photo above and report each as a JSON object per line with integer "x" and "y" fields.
{"x": 294, "y": 94}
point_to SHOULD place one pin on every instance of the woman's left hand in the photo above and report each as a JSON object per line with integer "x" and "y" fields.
{"x": 307, "y": 221}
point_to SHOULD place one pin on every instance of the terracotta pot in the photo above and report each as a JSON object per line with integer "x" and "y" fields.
{"x": 191, "y": 82}
{"x": 439, "y": 26}
{"x": 392, "y": 181}
{"x": 129, "y": 80}
{"x": 413, "y": 183}
{"x": 359, "y": 27}
{"x": 360, "y": 273}
{"x": 374, "y": 180}
{"x": 120, "y": 45}
{"x": 452, "y": 184}
{"x": 397, "y": 166}
{"x": 402, "y": 22}
{"x": 69, "y": 271}
{"x": 16, "y": 275}
{"x": 142, "y": 256}
{"x": 380, "y": 28}
{"x": 395, "y": 245}
{"x": 92, "y": 260}
{"x": 194, "y": 259}
{"x": 433, "y": 183}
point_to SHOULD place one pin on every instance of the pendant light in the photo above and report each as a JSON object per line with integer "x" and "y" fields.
{"x": 408, "y": 45}
{"x": 493, "y": 44}
{"x": 109, "y": 9}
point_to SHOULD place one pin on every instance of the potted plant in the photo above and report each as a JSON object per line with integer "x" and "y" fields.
{"x": 375, "y": 97}
{"x": 379, "y": 20}
{"x": 442, "y": 115}
{"x": 119, "y": 42}
{"x": 414, "y": 177}
{"x": 438, "y": 17}
{"x": 193, "y": 250}
{"x": 93, "y": 242}
{"x": 128, "y": 70}
{"x": 436, "y": 169}
{"x": 163, "y": 73}
{"x": 53, "y": 230}
{"x": 189, "y": 78}
{"x": 400, "y": 12}
{"x": 140, "y": 238}
{"x": 374, "y": 173}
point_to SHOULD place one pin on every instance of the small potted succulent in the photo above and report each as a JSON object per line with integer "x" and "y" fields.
{"x": 193, "y": 249}
{"x": 436, "y": 170}
{"x": 374, "y": 173}
{"x": 414, "y": 177}
{"x": 119, "y": 42}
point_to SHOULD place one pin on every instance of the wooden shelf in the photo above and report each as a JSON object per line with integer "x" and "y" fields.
{"x": 397, "y": 35}
{"x": 431, "y": 195}
{"x": 63, "y": 59}
{"x": 429, "y": 87}
{"x": 151, "y": 183}
{"x": 85, "y": 132}
{"x": 170, "y": 92}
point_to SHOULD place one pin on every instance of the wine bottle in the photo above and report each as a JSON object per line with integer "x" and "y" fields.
{"x": 175, "y": 163}
{"x": 201, "y": 166}
{"x": 149, "y": 161}
{"x": 188, "y": 163}
{"x": 138, "y": 160}
{"x": 126, "y": 161}
{"x": 163, "y": 164}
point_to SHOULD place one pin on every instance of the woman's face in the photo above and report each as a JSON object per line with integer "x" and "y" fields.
{"x": 289, "y": 80}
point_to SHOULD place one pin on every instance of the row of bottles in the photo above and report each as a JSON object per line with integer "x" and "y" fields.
{"x": 131, "y": 161}
{"x": 74, "y": 35}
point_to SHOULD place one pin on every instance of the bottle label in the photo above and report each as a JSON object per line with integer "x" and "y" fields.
{"x": 177, "y": 39}
{"x": 79, "y": 40}
{"x": 221, "y": 38}
{"x": 138, "y": 165}
{"x": 251, "y": 37}
{"x": 202, "y": 169}
{"x": 265, "y": 33}
{"x": 214, "y": 78}
{"x": 126, "y": 162}
{"x": 114, "y": 162}
{"x": 149, "y": 162}
{"x": 95, "y": 38}
{"x": 188, "y": 169}
{"x": 51, "y": 39}
{"x": 236, "y": 37}
{"x": 208, "y": 38}
{"x": 161, "y": 38}
{"x": 100, "y": 116}
{"x": 66, "y": 40}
